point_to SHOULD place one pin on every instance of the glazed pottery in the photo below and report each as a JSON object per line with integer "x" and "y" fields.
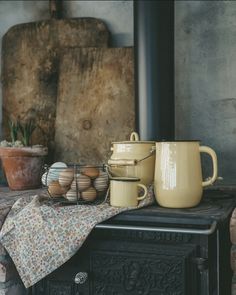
{"x": 124, "y": 191}
{"x": 178, "y": 175}
{"x": 133, "y": 158}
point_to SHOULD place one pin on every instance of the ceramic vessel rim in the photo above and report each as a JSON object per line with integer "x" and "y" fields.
{"x": 178, "y": 140}
{"x": 120, "y": 178}
{"x": 23, "y": 151}
{"x": 134, "y": 142}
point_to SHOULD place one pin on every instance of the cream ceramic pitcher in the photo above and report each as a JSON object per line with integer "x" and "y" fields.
{"x": 178, "y": 175}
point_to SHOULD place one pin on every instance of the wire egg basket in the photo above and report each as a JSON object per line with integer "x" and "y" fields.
{"x": 76, "y": 184}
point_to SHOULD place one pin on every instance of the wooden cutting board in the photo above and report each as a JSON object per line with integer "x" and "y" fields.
{"x": 30, "y": 66}
{"x": 95, "y": 103}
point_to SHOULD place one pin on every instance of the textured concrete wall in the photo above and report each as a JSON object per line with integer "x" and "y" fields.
{"x": 205, "y": 53}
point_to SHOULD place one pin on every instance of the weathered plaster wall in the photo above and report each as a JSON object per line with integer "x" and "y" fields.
{"x": 205, "y": 54}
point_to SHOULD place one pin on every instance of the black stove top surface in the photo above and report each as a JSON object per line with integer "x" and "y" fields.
{"x": 215, "y": 205}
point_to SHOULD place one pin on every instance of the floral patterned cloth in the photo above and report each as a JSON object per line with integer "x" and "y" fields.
{"x": 40, "y": 237}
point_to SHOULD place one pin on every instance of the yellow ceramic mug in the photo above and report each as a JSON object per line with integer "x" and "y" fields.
{"x": 124, "y": 191}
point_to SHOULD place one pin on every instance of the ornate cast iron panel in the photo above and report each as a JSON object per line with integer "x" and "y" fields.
{"x": 134, "y": 272}
{"x": 55, "y": 287}
{"x": 59, "y": 288}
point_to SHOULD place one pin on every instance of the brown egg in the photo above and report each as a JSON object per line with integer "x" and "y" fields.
{"x": 100, "y": 183}
{"x": 89, "y": 194}
{"x": 83, "y": 182}
{"x": 55, "y": 190}
{"x": 72, "y": 195}
{"x": 104, "y": 175}
{"x": 90, "y": 171}
{"x": 66, "y": 177}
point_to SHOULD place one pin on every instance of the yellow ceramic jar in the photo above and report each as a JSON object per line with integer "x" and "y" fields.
{"x": 133, "y": 158}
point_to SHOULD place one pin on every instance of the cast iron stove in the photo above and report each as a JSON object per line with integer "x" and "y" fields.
{"x": 153, "y": 251}
{"x": 203, "y": 230}
{"x": 215, "y": 206}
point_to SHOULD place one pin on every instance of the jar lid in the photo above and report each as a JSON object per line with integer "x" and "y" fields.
{"x": 134, "y": 139}
{"x": 134, "y": 142}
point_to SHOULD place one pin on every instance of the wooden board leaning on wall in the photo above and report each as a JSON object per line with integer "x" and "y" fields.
{"x": 30, "y": 66}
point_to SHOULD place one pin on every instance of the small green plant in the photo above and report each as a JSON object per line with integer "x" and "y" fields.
{"x": 26, "y": 130}
{"x": 14, "y": 128}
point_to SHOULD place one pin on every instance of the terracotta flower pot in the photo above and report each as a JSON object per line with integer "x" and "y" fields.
{"x": 23, "y": 166}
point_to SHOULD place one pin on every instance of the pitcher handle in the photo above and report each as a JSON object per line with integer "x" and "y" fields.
{"x": 145, "y": 192}
{"x": 211, "y": 152}
{"x": 134, "y": 136}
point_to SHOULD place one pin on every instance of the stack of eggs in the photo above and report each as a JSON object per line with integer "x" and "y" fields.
{"x": 78, "y": 183}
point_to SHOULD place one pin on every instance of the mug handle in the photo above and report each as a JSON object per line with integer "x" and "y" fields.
{"x": 145, "y": 192}
{"x": 211, "y": 152}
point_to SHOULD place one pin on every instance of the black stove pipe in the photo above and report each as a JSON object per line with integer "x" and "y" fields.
{"x": 154, "y": 69}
